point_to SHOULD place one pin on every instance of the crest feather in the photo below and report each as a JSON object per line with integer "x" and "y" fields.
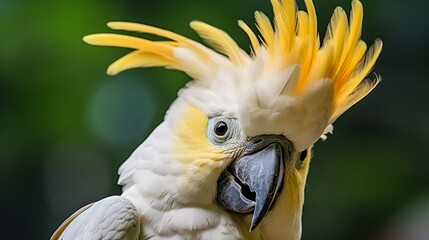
{"x": 139, "y": 58}
{"x": 221, "y": 41}
{"x": 117, "y": 40}
{"x": 264, "y": 26}
{"x": 304, "y": 86}
{"x": 253, "y": 39}
{"x": 179, "y": 39}
{"x": 285, "y": 23}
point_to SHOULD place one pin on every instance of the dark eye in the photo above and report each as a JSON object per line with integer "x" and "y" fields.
{"x": 221, "y": 128}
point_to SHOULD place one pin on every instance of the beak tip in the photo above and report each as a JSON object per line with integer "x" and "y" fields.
{"x": 256, "y": 220}
{"x": 252, "y": 227}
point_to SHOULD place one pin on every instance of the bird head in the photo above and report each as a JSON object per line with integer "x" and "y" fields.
{"x": 240, "y": 132}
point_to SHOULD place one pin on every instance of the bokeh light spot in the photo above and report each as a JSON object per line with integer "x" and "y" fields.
{"x": 121, "y": 110}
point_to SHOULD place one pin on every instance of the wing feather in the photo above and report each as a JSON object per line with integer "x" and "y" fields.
{"x": 67, "y": 222}
{"x": 110, "y": 218}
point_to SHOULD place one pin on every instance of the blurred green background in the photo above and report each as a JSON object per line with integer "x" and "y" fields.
{"x": 65, "y": 126}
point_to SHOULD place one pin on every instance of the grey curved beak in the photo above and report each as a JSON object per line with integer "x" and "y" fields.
{"x": 252, "y": 182}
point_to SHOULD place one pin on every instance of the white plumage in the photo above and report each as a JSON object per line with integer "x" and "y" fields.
{"x": 113, "y": 218}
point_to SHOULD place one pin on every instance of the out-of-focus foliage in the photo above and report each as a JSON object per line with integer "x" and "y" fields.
{"x": 65, "y": 126}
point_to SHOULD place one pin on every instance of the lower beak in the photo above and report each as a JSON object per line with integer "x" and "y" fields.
{"x": 252, "y": 182}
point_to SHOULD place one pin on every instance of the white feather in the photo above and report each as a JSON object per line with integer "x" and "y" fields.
{"x": 110, "y": 218}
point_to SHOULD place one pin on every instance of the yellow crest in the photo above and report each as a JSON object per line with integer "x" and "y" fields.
{"x": 329, "y": 75}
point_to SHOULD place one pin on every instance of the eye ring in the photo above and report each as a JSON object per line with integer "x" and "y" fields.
{"x": 221, "y": 129}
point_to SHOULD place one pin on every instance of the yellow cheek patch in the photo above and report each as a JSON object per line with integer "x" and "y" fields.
{"x": 192, "y": 145}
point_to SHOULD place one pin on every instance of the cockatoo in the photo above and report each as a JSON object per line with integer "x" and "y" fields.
{"x": 231, "y": 157}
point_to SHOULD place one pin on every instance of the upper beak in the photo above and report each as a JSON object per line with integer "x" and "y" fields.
{"x": 253, "y": 181}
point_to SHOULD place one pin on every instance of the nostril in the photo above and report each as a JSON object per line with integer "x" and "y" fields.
{"x": 259, "y": 140}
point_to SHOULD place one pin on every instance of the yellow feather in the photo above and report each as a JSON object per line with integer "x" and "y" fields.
{"x": 266, "y": 29}
{"x": 283, "y": 31}
{"x": 220, "y": 40}
{"x": 290, "y": 11}
{"x": 192, "y": 142}
{"x": 303, "y": 24}
{"x": 170, "y": 43}
{"x": 312, "y": 45}
{"x": 320, "y": 65}
{"x": 253, "y": 39}
{"x": 367, "y": 63}
{"x": 356, "y": 17}
{"x": 284, "y": 15}
{"x": 312, "y": 17}
{"x": 300, "y": 52}
{"x": 117, "y": 40}
{"x": 138, "y": 59}
{"x": 362, "y": 70}
{"x": 142, "y": 28}
{"x": 349, "y": 67}
{"x": 335, "y": 35}
{"x": 364, "y": 88}
{"x": 352, "y": 40}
